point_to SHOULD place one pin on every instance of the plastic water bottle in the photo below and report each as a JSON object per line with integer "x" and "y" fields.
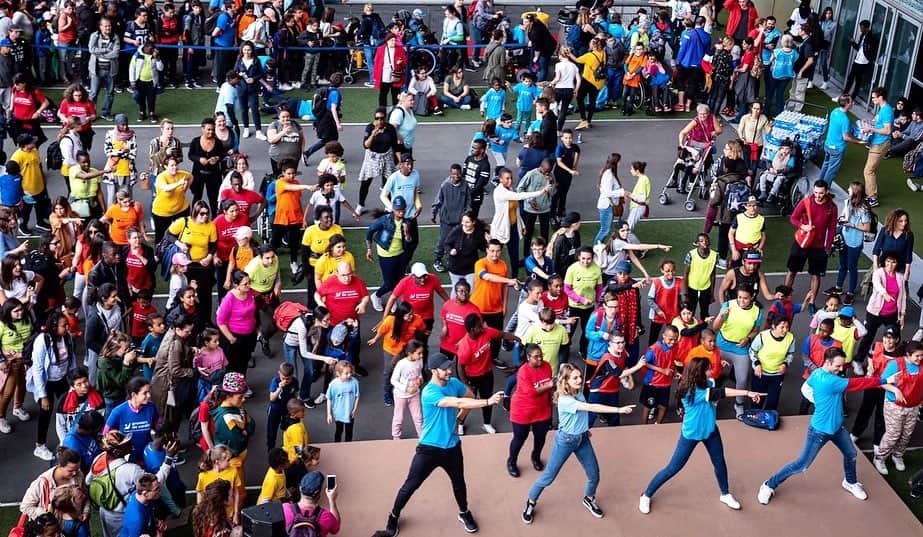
{"x": 579, "y": 138}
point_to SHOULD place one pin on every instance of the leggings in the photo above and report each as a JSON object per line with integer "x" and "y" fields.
{"x": 521, "y": 432}
{"x": 294, "y": 240}
{"x": 340, "y": 428}
{"x": 364, "y": 191}
{"x": 15, "y": 387}
{"x": 427, "y": 459}
{"x": 564, "y": 97}
{"x": 741, "y": 365}
{"x": 53, "y": 390}
{"x": 483, "y": 387}
{"x": 587, "y": 90}
{"x": 702, "y": 299}
{"x": 384, "y": 89}
{"x": 239, "y": 352}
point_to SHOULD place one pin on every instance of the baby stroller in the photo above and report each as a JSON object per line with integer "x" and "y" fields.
{"x": 356, "y": 63}
{"x": 795, "y": 185}
{"x": 690, "y": 176}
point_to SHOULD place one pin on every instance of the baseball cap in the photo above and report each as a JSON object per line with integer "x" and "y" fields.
{"x": 179, "y": 258}
{"x": 570, "y": 219}
{"x": 243, "y": 232}
{"x": 406, "y": 157}
{"x": 753, "y": 256}
{"x": 418, "y": 13}
{"x": 399, "y": 204}
{"x": 751, "y": 200}
{"x": 418, "y": 269}
{"x": 893, "y": 331}
{"x": 270, "y": 14}
{"x": 338, "y": 334}
{"x": 623, "y": 266}
{"x": 848, "y": 311}
{"x": 311, "y": 483}
{"x": 234, "y": 382}
{"x": 439, "y": 361}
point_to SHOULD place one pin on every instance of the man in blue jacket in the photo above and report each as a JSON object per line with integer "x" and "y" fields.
{"x": 694, "y": 45}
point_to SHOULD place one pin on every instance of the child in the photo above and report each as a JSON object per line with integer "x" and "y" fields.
{"x": 640, "y": 195}
{"x": 214, "y": 465}
{"x": 423, "y": 88}
{"x": 781, "y": 164}
{"x": 70, "y": 504}
{"x": 173, "y": 492}
{"x": 311, "y": 37}
{"x": 210, "y": 359}
{"x": 663, "y": 298}
{"x": 655, "y": 393}
{"x": 605, "y": 381}
{"x": 44, "y": 51}
{"x": 156, "y": 328}
{"x": 690, "y": 329}
{"x": 407, "y": 379}
{"x": 550, "y": 336}
{"x": 294, "y": 433}
{"x": 228, "y": 97}
{"x": 904, "y": 379}
{"x": 567, "y": 160}
{"x": 282, "y": 389}
{"x": 538, "y": 265}
{"x": 493, "y": 101}
{"x": 658, "y": 78}
{"x": 783, "y": 307}
{"x": 178, "y": 279}
{"x": 848, "y": 331}
{"x": 307, "y": 460}
{"x": 72, "y": 314}
{"x": 556, "y": 300}
{"x": 141, "y": 308}
{"x": 699, "y": 275}
{"x": 343, "y": 401}
{"x": 452, "y": 200}
{"x": 812, "y": 356}
{"x": 398, "y": 328}
{"x": 340, "y": 339}
{"x": 526, "y": 93}
{"x": 708, "y": 350}
{"x": 487, "y": 131}
{"x": 831, "y": 305}
{"x": 333, "y": 164}
{"x": 748, "y": 231}
{"x": 329, "y": 194}
{"x": 11, "y": 186}
{"x": 599, "y": 328}
{"x": 274, "y": 485}
{"x": 241, "y": 253}
{"x": 145, "y": 63}
{"x": 500, "y": 143}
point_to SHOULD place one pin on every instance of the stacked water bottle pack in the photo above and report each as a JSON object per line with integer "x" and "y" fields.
{"x": 806, "y": 129}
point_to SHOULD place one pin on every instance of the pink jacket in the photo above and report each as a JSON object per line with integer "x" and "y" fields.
{"x": 877, "y": 298}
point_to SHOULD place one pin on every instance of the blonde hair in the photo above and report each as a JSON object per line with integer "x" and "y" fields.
{"x": 787, "y": 41}
{"x": 563, "y": 387}
{"x": 736, "y": 152}
{"x": 342, "y": 365}
{"x": 207, "y": 462}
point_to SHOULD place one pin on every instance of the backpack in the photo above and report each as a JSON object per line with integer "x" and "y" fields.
{"x": 735, "y": 196}
{"x": 287, "y": 312}
{"x": 29, "y": 345}
{"x": 103, "y": 492}
{"x": 872, "y": 233}
{"x": 472, "y": 9}
{"x": 54, "y": 159}
{"x": 211, "y": 22}
{"x": 319, "y": 102}
{"x": 761, "y": 419}
{"x": 303, "y": 524}
{"x": 195, "y": 429}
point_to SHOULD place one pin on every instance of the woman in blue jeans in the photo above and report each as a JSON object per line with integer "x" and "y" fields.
{"x": 609, "y": 187}
{"x": 572, "y": 438}
{"x": 699, "y": 397}
{"x": 855, "y": 221}
{"x": 301, "y": 342}
{"x": 251, "y": 72}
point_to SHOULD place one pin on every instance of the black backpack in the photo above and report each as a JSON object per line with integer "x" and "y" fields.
{"x": 319, "y": 102}
{"x": 212, "y": 21}
{"x": 54, "y": 159}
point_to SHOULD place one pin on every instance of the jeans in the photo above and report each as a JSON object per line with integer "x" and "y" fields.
{"x": 450, "y": 103}
{"x": 477, "y": 37}
{"x": 66, "y": 62}
{"x": 849, "y": 262}
{"x": 386, "y": 371}
{"x": 771, "y": 385}
{"x": 605, "y": 224}
{"x": 564, "y": 446}
{"x": 249, "y": 96}
{"x": 775, "y": 94}
{"x": 813, "y": 443}
{"x": 146, "y": 98}
{"x": 833, "y": 158}
{"x": 823, "y": 58}
{"x": 684, "y": 448}
{"x": 392, "y": 270}
{"x": 102, "y": 81}
{"x": 274, "y": 415}
{"x": 369, "y": 51}
{"x": 542, "y": 70}
{"x": 292, "y": 355}
{"x": 425, "y": 460}
{"x": 614, "y": 83}
{"x": 859, "y": 74}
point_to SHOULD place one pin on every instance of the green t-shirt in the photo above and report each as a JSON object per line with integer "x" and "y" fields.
{"x": 584, "y": 281}
{"x": 549, "y": 341}
{"x": 262, "y": 278}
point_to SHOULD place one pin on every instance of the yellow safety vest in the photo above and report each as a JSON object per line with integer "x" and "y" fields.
{"x": 846, "y": 335}
{"x": 739, "y": 322}
{"x": 749, "y": 229}
{"x": 700, "y": 270}
{"x": 773, "y": 352}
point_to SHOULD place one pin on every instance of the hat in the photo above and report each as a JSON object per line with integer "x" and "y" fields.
{"x": 25, "y": 139}
{"x": 47, "y": 16}
{"x": 121, "y": 119}
{"x": 406, "y": 157}
{"x": 418, "y": 13}
{"x": 751, "y": 201}
{"x": 439, "y": 361}
{"x": 893, "y": 331}
{"x": 234, "y": 383}
{"x": 570, "y": 219}
{"x": 753, "y": 256}
{"x": 338, "y": 334}
{"x": 270, "y": 14}
{"x": 179, "y": 258}
{"x": 418, "y": 269}
{"x": 399, "y": 203}
{"x": 243, "y": 232}
{"x": 311, "y": 483}
{"x": 117, "y": 444}
{"x": 623, "y": 266}
{"x": 848, "y": 311}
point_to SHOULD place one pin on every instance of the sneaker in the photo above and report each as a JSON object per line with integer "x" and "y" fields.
{"x": 912, "y": 185}
{"x": 437, "y": 112}
{"x": 260, "y": 136}
{"x": 723, "y": 264}
{"x": 730, "y": 501}
{"x": 857, "y": 369}
{"x": 179, "y": 461}
{"x": 389, "y": 399}
{"x": 592, "y": 507}
{"x": 370, "y": 85}
{"x": 392, "y": 528}
{"x": 107, "y": 117}
{"x": 916, "y": 490}
{"x": 361, "y": 371}
{"x": 835, "y": 290}
{"x": 460, "y": 429}
{"x": 21, "y": 414}
{"x": 856, "y": 489}
{"x": 5, "y": 426}
{"x": 512, "y": 469}
{"x": 879, "y": 465}
{"x": 528, "y": 513}
{"x": 581, "y": 125}
{"x": 853, "y": 437}
{"x": 489, "y": 429}
{"x": 196, "y": 85}
{"x": 286, "y": 87}
{"x": 872, "y": 201}
{"x": 810, "y": 84}
{"x": 835, "y": 99}
{"x": 264, "y": 346}
{"x": 536, "y": 463}
{"x": 320, "y": 399}
{"x": 848, "y": 299}
{"x": 438, "y": 266}
{"x": 738, "y": 411}
{"x": 246, "y": 133}
{"x": 898, "y": 463}
{"x": 644, "y": 504}
{"x": 823, "y": 85}
{"x": 467, "y": 520}
{"x": 765, "y": 494}
{"x": 189, "y": 85}
{"x": 296, "y": 85}
{"x": 376, "y": 303}
{"x": 466, "y": 107}
{"x": 42, "y": 452}
{"x": 42, "y": 226}
{"x": 308, "y": 403}
{"x": 293, "y": 267}
{"x": 918, "y": 335}
{"x": 360, "y": 209}
{"x": 501, "y": 365}
{"x": 471, "y": 68}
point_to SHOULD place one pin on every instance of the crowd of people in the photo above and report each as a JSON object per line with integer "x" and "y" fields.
{"x": 122, "y": 376}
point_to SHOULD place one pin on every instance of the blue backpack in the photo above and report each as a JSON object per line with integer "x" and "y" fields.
{"x": 761, "y": 419}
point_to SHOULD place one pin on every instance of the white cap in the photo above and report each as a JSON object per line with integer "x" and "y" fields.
{"x": 418, "y": 269}
{"x": 243, "y": 232}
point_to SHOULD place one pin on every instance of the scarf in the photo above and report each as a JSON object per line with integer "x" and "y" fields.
{"x": 72, "y": 404}
{"x": 627, "y": 313}
{"x": 124, "y": 136}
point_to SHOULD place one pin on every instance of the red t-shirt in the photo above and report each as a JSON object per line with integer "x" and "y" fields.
{"x": 25, "y": 103}
{"x": 244, "y": 199}
{"x": 69, "y": 35}
{"x": 226, "y": 232}
{"x": 558, "y": 304}
{"x": 80, "y": 110}
{"x": 453, "y": 317}
{"x": 341, "y": 300}
{"x": 137, "y": 275}
{"x": 138, "y": 316}
{"x": 420, "y": 298}
{"x": 527, "y": 406}
{"x": 474, "y": 354}
{"x": 205, "y": 417}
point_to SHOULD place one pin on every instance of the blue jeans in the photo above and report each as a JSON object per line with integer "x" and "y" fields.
{"x": 450, "y": 103}
{"x": 614, "y": 83}
{"x": 102, "y": 81}
{"x": 775, "y": 95}
{"x": 684, "y": 448}
{"x": 833, "y": 158}
{"x": 823, "y": 58}
{"x": 566, "y": 445}
{"x": 111, "y": 403}
{"x": 292, "y": 354}
{"x": 249, "y": 98}
{"x": 813, "y": 443}
{"x": 478, "y": 39}
{"x": 392, "y": 270}
{"x": 369, "y": 51}
{"x": 605, "y": 224}
{"x": 542, "y": 64}
{"x": 849, "y": 262}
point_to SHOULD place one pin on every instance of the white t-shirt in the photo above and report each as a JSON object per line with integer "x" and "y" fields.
{"x": 318, "y": 199}
{"x": 19, "y": 286}
{"x": 610, "y": 191}
{"x": 566, "y": 73}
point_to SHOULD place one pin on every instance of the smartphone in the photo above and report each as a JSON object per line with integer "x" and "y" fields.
{"x": 331, "y": 481}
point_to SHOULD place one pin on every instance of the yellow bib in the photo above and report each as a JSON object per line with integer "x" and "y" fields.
{"x": 739, "y": 323}
{"x": 847, "y": 336}
{"x": 749, "y": 229}
{"x": 700, "y": 270}
{"x": 773, "y": 352}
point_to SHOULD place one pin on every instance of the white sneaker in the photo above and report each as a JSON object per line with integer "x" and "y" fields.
{"x": 489, "y": 429}
{"x": 460, "y": 430}
{"x": 853, "y": 437}
{"x": 260, "y": 136}
{"x": 835, "y": 99}
{"x": 376, "y": 303}
{"x": 644, "y": 504}
{"x": 294, "y": 267}
{"x": 320, "y": 399}
{"x": 42, "y": 452}
{"x": 823, "y": 85}
{"x": 246, "y": 133}
{"x": 918, "y": 335}
{"x": 5, "y": 426}
{"x": 875, "y": 449}
{"x": 360, "y": 209}
{"x": 765, "y": 494}
{"x": 898, "y": 463}
{"x": 722, "y": 264}
{"x": 858, "y": 369}
{"x": 296, "y": 85}
{"x": 286, "y": 87}
{"x": 730, "y": 501}
{"x": 879, "y": 465}
{"x": 466, "y": 107}
{"x": 856, "y": 489}
{"x": 738, "y": 410}
{"x": 21, "y": 414}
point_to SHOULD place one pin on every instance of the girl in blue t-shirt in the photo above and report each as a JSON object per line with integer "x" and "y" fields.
{"x": 699, "y": 397}
{"x": 494, "y": 100}
{"x": 572, "y": 438}
{"x": 343, "y": 401}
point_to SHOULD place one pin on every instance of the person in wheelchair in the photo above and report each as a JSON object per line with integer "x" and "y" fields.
{"x": 776, "y": 172}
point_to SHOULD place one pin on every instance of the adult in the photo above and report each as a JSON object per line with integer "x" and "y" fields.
{"x": 771, "y": 353}
{"x": 228, "y": 137}
{"x": 173, "y": 372}
{"x": 139, "y": 509}
{"x": 699, "y": 396}
{"x": 907, "y": 137}
{"x": 240, "y": 166}
{"x": 565, "y": 81}
{"x": 378, "y": 161}
{"x": 103, "y": 316}
{"x": 751, "y": 130}
{"x": 901, "y": 412}
{"x": 895, "y": 236}
{"x": 582, "y": 283}
{"x": 780, "y": 71}
{"x": 464, "y": 244}
{"x": 816, "y": 217}
{"x": 251, "y": 72}
{"x": 170, "y": 202}
{"x": 266, "y": 282}
{"x": 419, "y": 289}
{"x": 19, "y": 283}
{"x": 879, "y": 142}
{"x": 738, "y": 322}
{"x": 491, "y": 287}
{"x": 746, "y": 78}
{"x": 548, "y": 126}
{"x": 594, "y": 63}
{"x": 537, "y": 207}
{"x": 53, "y": 358}
{"x": 328, "y": 124}
{"x": 104, "y": 49}
{"x": 622, "y": 247}
{"x": 404, "y": 121}
{"x": 405, "y": 182}
{"x": 121, "y": 148}
{"x": 326, "y": 266}
{"x": 314, "y": 244}
{"x": 38, "y": 497}
{"x": 839, "y": 133}
{"x": 391, "y": 234}
{"x": 505, "y": 226}
{"x": 85, "y": 193}
{"x": 542, "y": 42}
{"x": 197, "y": 237}
{"x": 855, "y": 222}
{"x": 453, "y": 35}
{"x": 236, "y": 320}
{"x": 347, "y": 298}
{"x": 863, "y": 62}
{"x": 210, "y": 515}
{"x": 827, "y": 25}
{"x": 610, "y": 201}
{"x": 9, "y": 244}
{"x": 163, "y": 146}
{"x": 234, "y": 426}
{"x": 748, "y": 275}
{"x": 389, "y": 66}
{"x": 231, "y": 219}
{"x": 286, "y": 140}
{"x": 530, "y": 408}
{"x": 440, "y": 446}
{"x": 453, "y": 314}
{"x": 742, "y": 17}
{"x": 476, "y": 169}
{"x": 456, "y": 93}
{"x": 126, "y": 213}
{"x": 206, "y": 155}
{"x": 25, "y": 108}
{"x": 695, "y": 43}
{"x": 702, "y": 130}
{"x": 77, "y": 104}
{"x": 135, "y": 417}
{"x": 80, "y": 399}
{"x": 572, "y": 438}
{"x": 887, "y": 303}
{"x": 805, "y": 65}
{"x": 15, "y": 329}
{"x": 308, "y": 505}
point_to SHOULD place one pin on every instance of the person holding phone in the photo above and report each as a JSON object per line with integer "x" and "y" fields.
{"x": 326, "y": 521}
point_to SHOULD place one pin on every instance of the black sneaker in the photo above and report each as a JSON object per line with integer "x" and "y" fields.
{"x": 592, "y": 506}
{"x": 538, "y": 465}
{"x": 501, "y": 365}
{"x": 308, "y": 403}
{"x": 264, "y": 346}
{"x": 835, "y": 290}
{"x": 392, "y": 528}
{"x": 848, "y": 299}
{"x": 528, "y": 514}
{"x": 179, "y": 460}
{"x": 512, "y": 469}
{"x": 304, "y": 158}
{"x": 438, "y": 266}
{"x": 872, "y": 201}
{"x": 916, "y": 490}
{"x": 468, "y": 522}
{"x": 389, "y": 399}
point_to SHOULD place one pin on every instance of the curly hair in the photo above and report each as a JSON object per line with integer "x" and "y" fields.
{"x": 211, "y": 513}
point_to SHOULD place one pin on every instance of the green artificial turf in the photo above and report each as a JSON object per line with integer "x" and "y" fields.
{"x": 913, "y": 459}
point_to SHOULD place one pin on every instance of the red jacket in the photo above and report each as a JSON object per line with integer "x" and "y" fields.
{"x": 823, "y": 216}
{"x": 734, "y": 14}
{"x": 399, "y": 63}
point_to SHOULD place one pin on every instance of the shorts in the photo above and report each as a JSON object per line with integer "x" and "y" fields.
{"x": 816, "y": 258}
{"x": 660, "y": 395}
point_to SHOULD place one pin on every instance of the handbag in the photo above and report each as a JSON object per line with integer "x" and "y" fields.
{"x": 803, "y": 238}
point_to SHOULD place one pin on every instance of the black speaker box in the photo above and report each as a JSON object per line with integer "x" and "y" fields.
{"x": 264, "y": 520}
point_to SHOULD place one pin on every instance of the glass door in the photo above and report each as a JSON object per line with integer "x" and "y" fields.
{"x": 882, "y": 21}
{"x": 847, "y": 16}
{"x": 900, "y": 57}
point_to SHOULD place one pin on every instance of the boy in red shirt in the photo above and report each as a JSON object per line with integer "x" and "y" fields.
{"x": 663, "y": 298}
{"x": 454, "y": 312}
{"x": 475, "y": 367}
{"x": 812, "y": 356}
{"x": 658, "y": 361}
{"x": 605, "y": 383}
{"x": 140, "y": 309}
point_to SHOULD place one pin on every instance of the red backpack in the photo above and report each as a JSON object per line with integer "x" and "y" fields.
{"x": 910, "y": 385}
{"x": 287, "y": 312}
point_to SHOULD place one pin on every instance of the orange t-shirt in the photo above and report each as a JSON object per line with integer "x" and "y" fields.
{"x": 408, "y": 330}
{"x": 714, "y": 357}
{"x": 488, "y": 296}
{"x": 121, "y": 221}
{"x": 288, "y": 204}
